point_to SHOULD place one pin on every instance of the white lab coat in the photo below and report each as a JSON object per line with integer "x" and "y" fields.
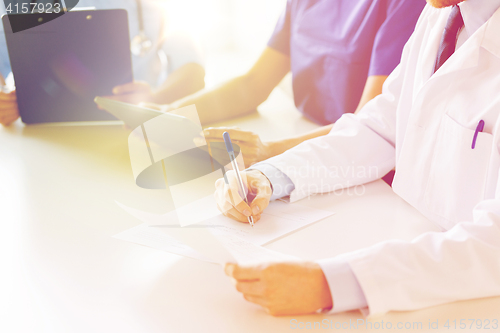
{"x": 424, "y": 126}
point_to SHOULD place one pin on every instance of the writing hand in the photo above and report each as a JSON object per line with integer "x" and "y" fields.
{"x": 230, "y": 202}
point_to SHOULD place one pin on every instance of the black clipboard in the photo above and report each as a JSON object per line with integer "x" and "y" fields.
{"x": 60, "y": 67}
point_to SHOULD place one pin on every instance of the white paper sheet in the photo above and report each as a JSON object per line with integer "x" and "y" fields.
{"x": 246, "y": 253}
{"x": 157, "y": 239}
{"x": 169, "y": 218}
{"x": 202, "y": 240}
{"x": 215, "y": 249}
{"x": 221, "y": 239}
{"x": 278, "y": 220}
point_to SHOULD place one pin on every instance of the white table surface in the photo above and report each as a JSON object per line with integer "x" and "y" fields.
{"x": 62, "y": 272}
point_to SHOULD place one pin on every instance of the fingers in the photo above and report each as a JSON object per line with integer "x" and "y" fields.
{"x": 114, "y": 98}
{"x": 250, "y": 145}
{"x": 261, "y": 201}
{"x": 8, "y": 108}
{"x": 242, "y": 273}
{"x": 8, "y": 112}
{"x": 6, "y": 121}
{"x": 238, "y": 203}
{"x": 8, "y": 96}
{"x": 256, "y": 300}
{"x": 200, "y": 142}
{"x": 247, "y": 281}
{"x": 123, "y": 89}
{"x": 233, "y": 213}
{"x": 260, "y": 185}
{"x": 136, "y": 87}
{"x": 235, "y": 206}
{"x": 236, "y": 134}
{"x": 230, "y": 202}
{"x": 232, "y": 193}
{"x": 253, "y": 288}
{"x": 133, "y": 98}
{"x": 153, "y": 106}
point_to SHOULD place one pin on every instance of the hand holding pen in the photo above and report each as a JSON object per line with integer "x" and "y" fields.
{"x": 231, "y": 196}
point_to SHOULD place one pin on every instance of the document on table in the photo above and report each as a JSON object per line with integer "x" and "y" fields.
{"x": 278, "y": 220}
{"x": 216, "y": 249}
{"x": 220, "y": 239}
{"x": 152, "y": 237}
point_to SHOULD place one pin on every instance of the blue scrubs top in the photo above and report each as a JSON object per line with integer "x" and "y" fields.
{"x": 334, "y": 45}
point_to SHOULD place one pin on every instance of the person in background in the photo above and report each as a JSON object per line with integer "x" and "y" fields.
{"x": 166, "y": 66}
{"x": 339, "y": 52}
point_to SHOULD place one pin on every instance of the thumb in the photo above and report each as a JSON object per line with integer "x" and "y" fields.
{"x": 261, "y": 187}
{"x": 152, "y": 106}
{"x": 122, "y": 89}
{"x": 131, "y": 87}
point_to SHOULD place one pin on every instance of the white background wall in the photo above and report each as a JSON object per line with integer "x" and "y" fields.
{"x": 231, "y": 32}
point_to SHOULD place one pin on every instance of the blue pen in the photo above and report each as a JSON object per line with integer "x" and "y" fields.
{"x": 230, "y": 150}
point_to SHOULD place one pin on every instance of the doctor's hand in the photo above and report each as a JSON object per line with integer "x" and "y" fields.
{"x": 9, "y": 111}
{"x": 283, "y": 288}
{"x": 232, "y": 205}
{"x": 134, "y": 92}
{"x": 253, "y": 149}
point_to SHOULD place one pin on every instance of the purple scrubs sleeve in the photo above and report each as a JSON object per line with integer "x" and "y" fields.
{"x": 334, "y": 45}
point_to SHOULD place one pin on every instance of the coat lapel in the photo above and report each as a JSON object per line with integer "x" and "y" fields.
{"x": 427, "y": 96}
{"x": 430, "y": 44}
{"x": 467, "y": 56}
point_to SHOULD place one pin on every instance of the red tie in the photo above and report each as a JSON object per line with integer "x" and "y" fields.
{"x": 450, "y": 36}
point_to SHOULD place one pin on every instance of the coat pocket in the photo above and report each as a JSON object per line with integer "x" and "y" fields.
{"x": 458, "y": 173}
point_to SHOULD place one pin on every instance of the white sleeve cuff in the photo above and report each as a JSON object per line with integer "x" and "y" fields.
{"x": 281, "y": 184}
{"x": 346, "y": 292}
